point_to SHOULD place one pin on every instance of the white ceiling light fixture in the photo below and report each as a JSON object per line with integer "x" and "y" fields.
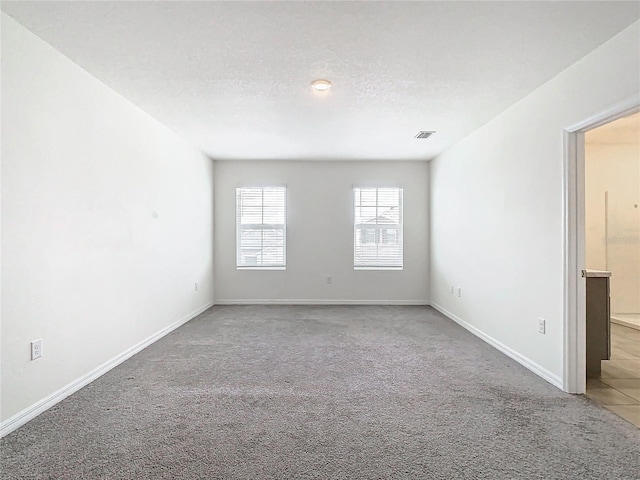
{"x": 321, "y": 85}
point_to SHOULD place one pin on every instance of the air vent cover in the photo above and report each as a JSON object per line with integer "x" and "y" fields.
{"x": 424, "y": 134}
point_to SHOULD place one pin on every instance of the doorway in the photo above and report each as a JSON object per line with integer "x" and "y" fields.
{"x": 624, "y": 342}
{"x": 612, "y": 246}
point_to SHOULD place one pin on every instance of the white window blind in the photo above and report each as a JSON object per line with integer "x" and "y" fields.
{"x": 261, "y": 227}
{"x": 378, "y": 228}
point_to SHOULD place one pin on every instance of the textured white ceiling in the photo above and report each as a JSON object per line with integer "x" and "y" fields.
{"x": 234, "y": 77}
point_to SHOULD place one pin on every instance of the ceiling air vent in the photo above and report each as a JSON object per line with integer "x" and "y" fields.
{"x": 424, "y": 134}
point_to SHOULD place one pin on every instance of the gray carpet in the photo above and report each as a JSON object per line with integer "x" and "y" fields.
{"x": 322, "y": 392}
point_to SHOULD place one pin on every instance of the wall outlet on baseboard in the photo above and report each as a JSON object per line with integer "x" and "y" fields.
{"x": 542, "y": 326}
{"x": 36, "y": 349}
{"x": 459, "y": 291}
{"x": 196, "y": 286}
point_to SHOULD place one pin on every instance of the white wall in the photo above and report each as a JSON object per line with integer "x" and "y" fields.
{"x": 107, "y": 221}
{"x": 320, "y": 233}
{"x": 497, "y": 206}
{"x": 615, "y": 169}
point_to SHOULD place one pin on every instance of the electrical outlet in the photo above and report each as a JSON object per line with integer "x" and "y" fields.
{"x": 36, "y": 349}
{"x": 329, "y": 279}
{"x": 542, "y": 326}
{"x": 196, "y": 286}
{"x": 459, "y": 291}
{"x": 452, "y": 289}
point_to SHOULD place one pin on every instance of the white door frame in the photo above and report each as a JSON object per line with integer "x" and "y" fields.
{"x": 575, "y": 360}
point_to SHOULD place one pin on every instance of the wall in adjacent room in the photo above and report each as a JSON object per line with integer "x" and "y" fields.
{"x": 320, "y": 233}
{"x": 497, "y": 209}
{"x": 612, "y": 226}
{"x": 107, "y": 223}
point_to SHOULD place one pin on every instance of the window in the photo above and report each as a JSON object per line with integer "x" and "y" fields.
{"x": 260, "y": 228}
{"x": 378, "y": 228}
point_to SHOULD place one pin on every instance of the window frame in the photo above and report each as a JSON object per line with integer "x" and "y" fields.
{"x": 261, "y": 227}
{"x": 379, "y": 229}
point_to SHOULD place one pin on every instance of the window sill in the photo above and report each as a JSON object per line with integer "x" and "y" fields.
{"x": 261, "y": 268}
{"x": 379, "y": 268}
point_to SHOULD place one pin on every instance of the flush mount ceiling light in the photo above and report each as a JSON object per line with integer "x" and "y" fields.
{"x": 321, "y": 85}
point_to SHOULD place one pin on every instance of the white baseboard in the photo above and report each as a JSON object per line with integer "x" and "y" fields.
{"x": 37, "y": 408}
{"x": 625, "y": 323}
{"x": 521, "y": 359}
{"x": 313, "y": 301}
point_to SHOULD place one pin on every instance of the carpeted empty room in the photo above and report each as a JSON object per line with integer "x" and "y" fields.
{"x": 331, "y": 392}
{"x": 342, "y": 240}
